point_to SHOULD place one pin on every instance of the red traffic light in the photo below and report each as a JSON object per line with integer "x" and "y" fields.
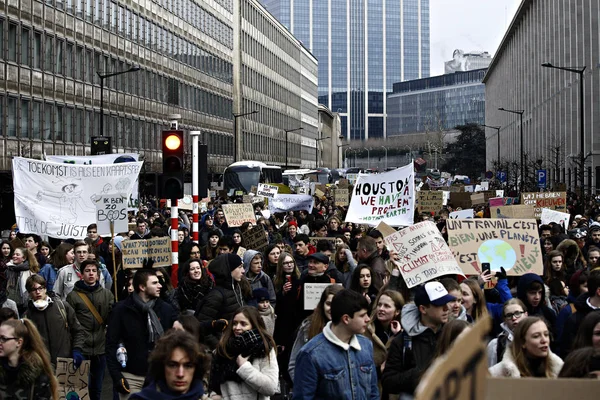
{"x": 173, "y": 142}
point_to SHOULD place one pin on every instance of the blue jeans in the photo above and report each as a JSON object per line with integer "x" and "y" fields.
{"x": 97, "y": 369}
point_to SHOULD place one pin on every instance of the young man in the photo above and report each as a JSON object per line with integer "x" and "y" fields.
{"x": 226, "y": 244}
{"x": 69, "y": 274}
{"x": 32, "y": 243}
{"x": 412, "y": 351}
{"x": 531, "y": 291}
{"x": 137, "y": 322}
{"x": 92, "y": 304}
{"x": 381, "y": 249}
{"x": 338, "y": 363}
{"x": 368, "y": 253}
{"x": 301, "y": 251}
{"x": 141, "y": 230}
{"x": 92, "y": 234}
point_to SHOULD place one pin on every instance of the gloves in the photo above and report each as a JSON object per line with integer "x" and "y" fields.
{"x": 122, "y": 386}
{"x": 219, "y": 325}
{"x": 147, "y": 263}
{"x": 77, "y": 358}
{"x": 501, "y": 274}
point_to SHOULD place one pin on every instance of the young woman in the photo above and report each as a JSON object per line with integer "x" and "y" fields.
{"x": 554, "y": 266}
{"x": 473, "y": 300}
{"x": 23, "y": 265}
{"x": 211, "y": 250}
{"x": 345, "y": 263}
{"x": 529, "y": 354}
{"x": 514, "y": 311}
{"x": 558, "y": 293}
{"x": 362, "y": 283}
{"x": 547, "y": 246}
{"x": 245, "y": 364}
{"x": 457, "y": 311}
{"x": 46, "y": 250}
{"x": 6, "y": 251}
{"x": 61, "y": 256}
{"x": 26, "y": 372}
{"x": 313, "y": 324}
{"x": 589, "y": 332}
{"x": 237, "y": 239}
{"x": 192, "y": 288}
{"x": 449, "y": 333}
{"x": 271, "y": 256}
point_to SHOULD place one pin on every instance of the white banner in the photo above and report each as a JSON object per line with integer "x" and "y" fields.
{"x": 387, "y": 197}
{"x": 112, "y": 208}
{"x": 291, "y": 202}
{"x": 462, "y": 214}
{"x": 58, "y": 200}
{"x": 560, "y": 218}
{"x": 267, "y": 190}
{"x": 133, "y": 202}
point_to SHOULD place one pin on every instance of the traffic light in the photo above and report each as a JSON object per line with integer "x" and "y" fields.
{"x": 171, "y": 185}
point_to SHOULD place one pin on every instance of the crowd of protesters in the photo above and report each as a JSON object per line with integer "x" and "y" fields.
{"x": 235, "y": 324}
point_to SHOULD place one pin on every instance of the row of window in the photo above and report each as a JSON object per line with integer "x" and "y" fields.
{"x": 260, "y": 52}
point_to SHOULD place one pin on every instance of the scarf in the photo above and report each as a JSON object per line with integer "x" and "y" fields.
{"x": 155, "y": 329}
{"x": 14, "y": 271}
{"x": 86, "y": 288}
{"x": 160, "y": 391}
{"x": 192, "y": 291}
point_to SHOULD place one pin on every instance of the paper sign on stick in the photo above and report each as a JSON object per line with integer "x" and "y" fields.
{"x": 135, "y": 251}
{"x": 71, "y": 380}
{"x": 424, "y": 255}
{"x": 518, "y": 211}
{"x": 112, "y": 208}
{"x": 255, "y": 238}
{"x": 430, "y": 201}
{"x": 237, "y": 214}
{"x": 462, "y": 214}
{"x": 312, "y": 294}
{"x": 510, "y": 243}
{"x": 553, "y": 200}
{"x": 555, "y": 216}
{"x": 266, "y": 190}
{"x": 341, "y": 197}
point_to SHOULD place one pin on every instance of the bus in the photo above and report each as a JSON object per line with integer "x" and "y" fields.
{"x": 322, "y": 175}
{"x": 242, "y": 175}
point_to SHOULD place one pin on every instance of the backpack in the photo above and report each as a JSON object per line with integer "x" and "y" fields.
{"x": 501, "y": 346}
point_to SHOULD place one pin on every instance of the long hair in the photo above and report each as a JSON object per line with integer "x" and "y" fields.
{"x": 11, "y": 250}
{"x": 342, "y": 266}
{"x": 256, "y": 322}
{"x": 513, "y": 301}
{"x": 450, "y": 332}
{"x": 479, "y": 308}
{"x": 59, "y": 255}
{"x": 34, "y": 267}
{"x": 397, "y": 299}
{"x": 280, "y": 279}
{"x": 165, "y": 346}
{"x": 518, "y": 353}
{"x": 33, "y": 348}
{"x": 166, "y": 279}
{"x": 549, "y": 273}
{"x": 267, "y": 266}
{"x": 586, "y": 330}
{"x": 579, "y": 363}
{"x": 317, "y": 319}
{"x": 355, "y": 280}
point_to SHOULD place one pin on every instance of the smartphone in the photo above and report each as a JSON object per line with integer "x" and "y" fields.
{"x": 485, "y": 267}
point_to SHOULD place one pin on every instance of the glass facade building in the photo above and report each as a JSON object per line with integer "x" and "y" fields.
{"x": 436, "y": 104}
{"x": 363, "y": 48}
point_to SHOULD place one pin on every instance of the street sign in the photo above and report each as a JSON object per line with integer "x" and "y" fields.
{"x": 501, "y": 176}
{"x": 541, "y": 178}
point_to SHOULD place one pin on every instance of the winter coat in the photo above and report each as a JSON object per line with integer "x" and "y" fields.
{"x": 160, "y": 391}
{"x": 541, "y": 310}
{"x": 65, "y": 281}
{"x": 573, "y": 322}
{"x": 61, "y": 337}
{"x": 129, "y": 325}
{"x": 410, "y": 353}
{"x": 268, "y": 318}
{"x": 507, "y": 368}
{"x": 261, "y": 280}
{"x": 49, "y": 274}
{"x": 95, "y": 334}
{"x": 562, "y": 318}
{"x": 301, "y": 340}
{"x": 260, "y": 380}
{"x": 27, "y": 381}
{"x": 17, "y": 292}
{"x": 572, "y": 254}
{"x": 503, "y": 340}
{"x": 287, "y": 319}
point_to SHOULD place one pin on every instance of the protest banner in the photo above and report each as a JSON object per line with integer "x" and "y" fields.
{"x": 510, "y": 243}
{"x": 462, "y": 214}
{"x": 460, "y": 200}
{"x": 72, "y": 380}
{"x": 424, "y": 255}
{"x": 312, "y": 294}
{"x": 499, "y": 193}
{"x": 135, "y": 251}
{"x": 255, "y": 238}
{"x": 430, "y": 201}
{"x": 343, "y": 184}
{"x": 314, "y": 239}
{"x": 319, "y": 193}
{"x": 247, "y": 198}
{"x": 133, "y": 201}
{"x": 266, "y": 190}
{"x": 518, "y": 211}
{"x": 560, "y": 218}
{"x": 388, "y": 197}
{"x": 536, "y": 388}
{"x": 291, "y": 202}
{"x": 112, "y": 208}
{"x": 461, "y": 373}
{"x": 556, "y": 201}
{"x": 237, "y": 214}
{"x": 477, "y": 199}
{"x": 340, "y": 197}
{"x": 496, "y": 202}
{"x": 58, "y": 199}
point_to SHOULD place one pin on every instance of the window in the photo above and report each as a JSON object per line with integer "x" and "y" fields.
{"x": 48, "y": 111}
{"x": 58, "y": 122}
{"x": 37, "y": 50}
{"x": 89, "y": 66}
{"x": 12, "y": 116}
{"x": 48, "y": 54}
{"x": 69, "y": 60}
{"x": 68, "y": 118}
{"x": 36, "y": 120}
{"x": 59, "y": 57}
{"x": 12, "y": 42}
{"x": 25, "y": 46}
{"x": 89, "y": 118}
{"x": 80, "y": 63}
{"x": 1, "y": 44}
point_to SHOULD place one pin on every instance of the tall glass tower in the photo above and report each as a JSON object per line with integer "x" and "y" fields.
{"x": 363, "y": 48}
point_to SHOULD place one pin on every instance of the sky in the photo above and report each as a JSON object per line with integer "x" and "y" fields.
{"x": 469, "y": 25}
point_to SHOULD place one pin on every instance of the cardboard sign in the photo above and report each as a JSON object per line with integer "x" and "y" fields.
{"x": 496, "y": 202}
{"x": 388, "y": 197}
{"x": 247, "y": 198}
{"x": 518, "y": 211}
{"x": 237, "y": 214}
{"x": 535, "y": 388}
{"x": 462, "y": 214}
{"x": 460, "y": 199}
{"x": 16, "y": 243}
{"x": 510, "y": 243}
{"x": 555, "y": 216}
{"x": 461, "y": 373}
{"x": 111, "y": 208}
{"x": 319, "y": 193}
{"x": 340, "y": 197}
{"x": 291, "y": 202}
{"x": 477, "y": 199}
{"x": 553, "y": 200}
{"x": 135, "y": 251}
{"x": 430, "y": 201}
{"x": 499, "y": 193}
{"x": 241, "y": 251}
{"x": 71, "y": 380}
{"x": 424, "y": 255}
{"x": 312, "y": 294}
{"x": 265, "y": 190}
{"x": 343, "y": 183}
{"x": 315, "y": 239}
{"x": 255, "y": 238}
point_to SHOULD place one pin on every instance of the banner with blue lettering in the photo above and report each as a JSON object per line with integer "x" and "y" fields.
{"x": 59, "y": 200}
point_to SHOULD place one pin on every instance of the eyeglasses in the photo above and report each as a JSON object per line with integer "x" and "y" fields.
{"x": 4, "y": 339}
{"x": 38, "y": 289}
{"x": 288, "y": 263}
{"x": 516, "y": 314}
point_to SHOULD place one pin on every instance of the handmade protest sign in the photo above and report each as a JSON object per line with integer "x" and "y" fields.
{"x": 430, "y": 201}
{"x": 340, "y": 197}
{"x": 518, "y": 211}
{"x": 560, "y": 218}
{"x": 496, "y": 202}
{"x": 510, "y": 243}
{"x": 266, "y": 190}
{"x": 424, "y": 255}
{"x": 312, "y": 294}
{"x": 111, "y": 208}
{"x": 387, "y": 197}
{"x": 553, "y": 200}
{"x": 135, "y": 251}
{"x": 477, "y": 199}
{"x": 237, "y": 214}
{"x": 255, "y": 238}
{"x": 72, "y": 381}
{"x": 58, "y": 199}
{"x": 462, "y": 214}
{"x": 313, "y": 240}
{"x": 291, "y": 202}
{"x": 461, "y": 373}
{"x": 460, "y": 199}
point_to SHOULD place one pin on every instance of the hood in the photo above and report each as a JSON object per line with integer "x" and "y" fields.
{"x": 524, "y": 283}
{"x": 581, "y": 303}
{"x": 570, "y": 249}
{"x": 219, "y": 268}
{"x": 463, "y": 314}
{"x": 248, "y": 256}
{"x": 506, "y": 330}
{"x": 411, "y": 320}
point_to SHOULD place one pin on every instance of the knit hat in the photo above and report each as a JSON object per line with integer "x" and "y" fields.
{"x": 294, "y": 223}
{"x": 260, "y": 294}
{"x": 233, "y": 261}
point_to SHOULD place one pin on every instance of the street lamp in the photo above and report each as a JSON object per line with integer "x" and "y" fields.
{"x": 102, "y": 77}
{"x": 286, "y": 143}
{"x": 520, "y": 112}
{"x": 580, "y": 71}
{"x": 235, "y": 141}
{"x": 497, "y": 128}
{"x": 339, "y": 154}
{"x": 368, "y": 157}
{"x": 346, "y": 156}
{"x": 317, "y": 150}
{"x": 386, "y": 150}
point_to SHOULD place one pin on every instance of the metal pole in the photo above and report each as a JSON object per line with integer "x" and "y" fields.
{"x": 522, "y": 170}
{"x": 316, "y": 153}
{"x": 195, "y": 184}
{"x": 101, "y": 105}
{"x": 235, "y": 141}
{"x": 174, "y": 228}
{"x": 582, "y": 138}
{"x": 286, "y": 149}
{"x": 498, "y": 156}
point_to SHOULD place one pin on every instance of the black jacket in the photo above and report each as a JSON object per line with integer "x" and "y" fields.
{"x": 26, "y": 381}
{"x": 573, "y": 322}
{"x": 128, "y": 325}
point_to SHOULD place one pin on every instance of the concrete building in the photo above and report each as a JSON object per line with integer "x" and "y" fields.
{"x": 437, "y": 103}
{"x": 330, "y": 138}
{"x": 467, "y": 61}
{"x": 363, "y": 48}
{"x": 563, "y": 34}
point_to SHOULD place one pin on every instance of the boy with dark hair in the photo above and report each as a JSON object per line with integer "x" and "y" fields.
{"x": 226, "y": 244}
{"x": 302, "y": 251}
{"x": 531, "y": 291}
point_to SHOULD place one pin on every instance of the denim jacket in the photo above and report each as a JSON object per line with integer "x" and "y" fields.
{"x": 327, "y": 368}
